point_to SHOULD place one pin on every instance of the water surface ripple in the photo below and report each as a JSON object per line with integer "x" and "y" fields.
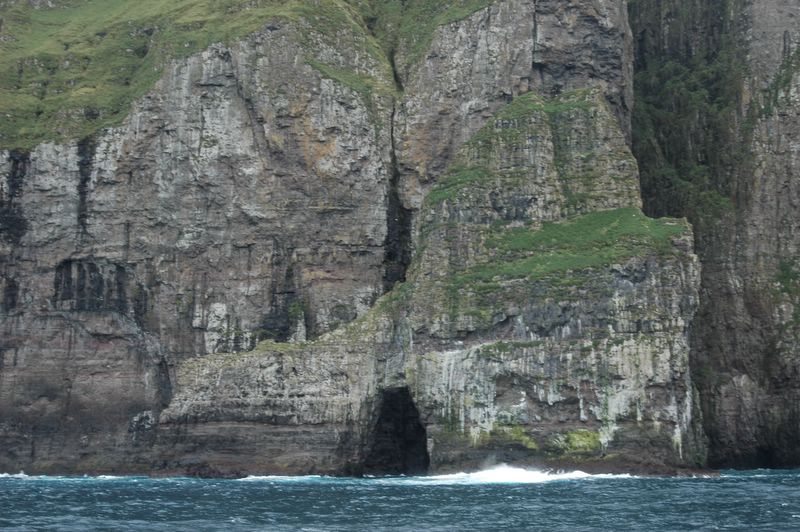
{"x": 499, "y": 499}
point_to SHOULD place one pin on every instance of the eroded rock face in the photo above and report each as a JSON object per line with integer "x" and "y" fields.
{"x": 197, "y": 290}
{"x": 233, "y": 205}
{"x": 744, "y": 347}
{"x": 476, "y": 66}
{"x": 508, "y": 353}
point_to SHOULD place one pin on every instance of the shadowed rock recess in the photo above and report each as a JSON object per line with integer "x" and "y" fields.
{"x": 716, "y": 134}
{"x": 351, "y": 237}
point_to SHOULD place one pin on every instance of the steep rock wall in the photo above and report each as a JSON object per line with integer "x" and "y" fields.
{"x": 476, "y": 66}
{"x": 233, "y": 205}
{"x": 716, "y": 138}
{"x": 197, "y": 290}
{"x": 521, "y": 335}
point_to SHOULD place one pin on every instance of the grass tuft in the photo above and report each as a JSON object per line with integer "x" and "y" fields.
{"x": 590, "y": 241}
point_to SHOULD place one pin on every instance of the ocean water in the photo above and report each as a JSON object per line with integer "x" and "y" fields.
{"x": 502, "y": 498}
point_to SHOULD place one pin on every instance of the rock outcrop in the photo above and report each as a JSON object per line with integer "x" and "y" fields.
{"x": 232, "y": 206}
{"x": 717, "y": 141}
{"x": 307, "y": 251}
{"x": 519, "y": 336}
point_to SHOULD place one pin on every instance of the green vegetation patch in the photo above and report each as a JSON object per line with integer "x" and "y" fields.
{"x": 580, "y": 442}
{"x": 362, "y": 84}
{"x": 781, "y": 85}
{"x": 297, "y": 310}
{"x": 498, "y": 349}
{"x": 516, "y": 434}
{"x": 409, "y": 25}
{"x": 531, "y": 103}
{"x": 589, "y": 241}
{"x": 689, "y": 135}
{"x": 512, "y": 124}
{"x": 69, "y": 71}
{"x": 458, "y": 178}
{"x": 788, "y": 279}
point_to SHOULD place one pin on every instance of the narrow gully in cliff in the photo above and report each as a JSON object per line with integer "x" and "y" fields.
{"x": 398, "y": 82}
{"x": 397, "y": 245}
{"x": 12, "y": 222}
{"x": 398, "y": 221}
{"x": 86, "y": 148}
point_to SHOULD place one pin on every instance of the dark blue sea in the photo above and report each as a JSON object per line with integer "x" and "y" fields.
{"x": 498, "y": 499}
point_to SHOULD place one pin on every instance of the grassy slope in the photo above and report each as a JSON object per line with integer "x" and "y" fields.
{"x": 69, "y": 71}
{"x": 460, "y": 177}
{"x": 407, "y": 27}
{"x": 593, "y": 240}
{"x": 590, "y": 241}
{"x": 72, "y": 70}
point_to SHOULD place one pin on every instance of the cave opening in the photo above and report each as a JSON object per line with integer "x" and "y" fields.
{"x": 398, "y": 443}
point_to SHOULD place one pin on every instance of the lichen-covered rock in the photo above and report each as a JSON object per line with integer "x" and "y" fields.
{"x": 201, "y": 289}
{"x": 520, "y": 335}
{"x": 244, "y": 198}
{"x": 728, "y": 159}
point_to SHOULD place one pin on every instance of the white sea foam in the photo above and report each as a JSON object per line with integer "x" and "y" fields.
{"x": 508, "y": 475}
{"x": 282, "y": 478}
{"x": 504, "y": 474}
{"x": 20, "y": 475}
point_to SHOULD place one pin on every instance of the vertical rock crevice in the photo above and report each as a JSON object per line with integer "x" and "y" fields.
{"x": 12, "y": 221}
{"x": 397, "y": 246}
{"x": 86, "y": 151}
{"x": 286, "y": 302}
{"x": 10, "y": 295}
{"x": 12, "y": 224}
{"x": 398, "y": 221}
{"x": 398, "y": 81}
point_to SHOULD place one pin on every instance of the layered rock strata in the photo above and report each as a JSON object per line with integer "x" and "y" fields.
{"x": 202, "y": 289}
{"x": 725, "y": 154}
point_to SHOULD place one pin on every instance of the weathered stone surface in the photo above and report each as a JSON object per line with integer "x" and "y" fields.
{"x": 583, "y": 365}
{"x": 745, "y": 135}
{"x": 476, "y": 66}
{"x": 207, "y": 275}
{"x": 233, "y": 205}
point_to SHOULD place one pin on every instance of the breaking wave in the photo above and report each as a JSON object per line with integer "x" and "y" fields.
{"x": 502, "y": 474}
{"x": 23, "y": 476}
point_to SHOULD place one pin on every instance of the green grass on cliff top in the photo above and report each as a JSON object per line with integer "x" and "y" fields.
{"x": 67, "y": 72}
{"x": 590, "y": 241}
{"x": 407, "y": 26}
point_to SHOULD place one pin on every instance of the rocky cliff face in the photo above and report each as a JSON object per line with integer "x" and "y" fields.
{"x": 512, "y": 339}
{"x": 230, "y": 207}
{"x": 721, "y": 148}
{"x": 330, "y": 248}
